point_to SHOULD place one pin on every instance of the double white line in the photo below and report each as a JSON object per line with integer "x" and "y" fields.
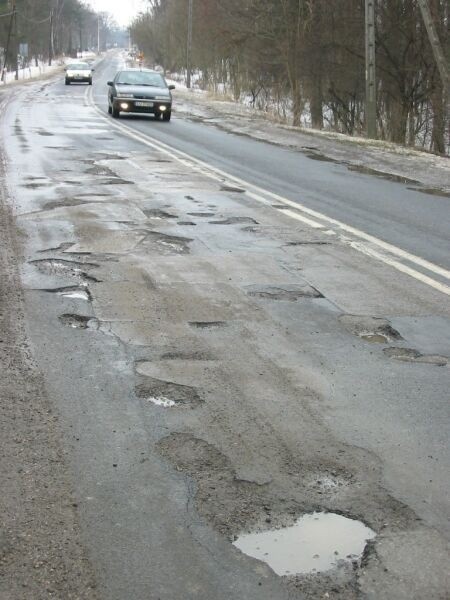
{"x": 359, "y": 240}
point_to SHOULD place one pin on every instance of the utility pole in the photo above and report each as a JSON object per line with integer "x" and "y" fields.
{"x": 371, "y": 82}
{"x": 16, "y": 44}
{"x": 11, "y": 21}
{"x": 442, "y": 64}
{"x": 189, "y": 44}
{"x": 98, "y": 34}
{"x": 50, "y": 41}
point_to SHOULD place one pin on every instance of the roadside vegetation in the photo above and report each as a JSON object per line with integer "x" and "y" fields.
{"x": 304, "y": 60}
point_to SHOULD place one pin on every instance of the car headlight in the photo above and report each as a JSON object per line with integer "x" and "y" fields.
{"x": 124, "y": 95}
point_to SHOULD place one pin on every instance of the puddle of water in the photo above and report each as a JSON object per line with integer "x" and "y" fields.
{"x": 374, "y": 338}
{"x": 162, "y": 401}
{"x": 316, "y": 542}
{"x": 75, "y": 294}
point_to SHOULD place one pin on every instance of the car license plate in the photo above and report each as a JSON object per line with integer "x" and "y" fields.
{"x": 148, "y": 104}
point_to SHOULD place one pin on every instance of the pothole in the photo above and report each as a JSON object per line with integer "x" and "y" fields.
{"x": 371, "y": 329}
{"x": 116, "y": 181}
{"x": 73, "y": 292}
{"x": 320, "y": 157}
{"x": 207, "y": 324}
{"x": 189, "y": 356}
{"x": 63, "y": 203}
{"x": 79, "y": 321}
{"x": 230, "y": 188}
{"x": 431, "y": 191}
{"x": 201, "y": 214}
{"x": 166, "y": 393}
{"x": 389, "y": 176}
{"x": 374, "y": 338}
{"x": 35, "y": 185}
{"x": 288, "y": 293}
{"x": 54, "y": 266}
{"x": 101, "y": 171}
{"x": 317, "y": 542}
{"x": 410, "y": 355}
{"x": 167, "y": 244}
{"x": 61, "y": 248}
{"x": 309, "y": 243}
{"x": 156, "y": 213}
{"x": 234, "y": 220}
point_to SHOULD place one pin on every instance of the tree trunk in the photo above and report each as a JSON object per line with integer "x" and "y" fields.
{"x": 317, "y": 106}
{"x": 438, "y": 105}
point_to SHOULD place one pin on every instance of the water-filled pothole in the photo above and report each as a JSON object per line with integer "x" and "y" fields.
{"x": 316, "y": 542}
{"x": 374, "y": 338}
{"x": 162, "y": 401}
{"x": 73, "y": 292}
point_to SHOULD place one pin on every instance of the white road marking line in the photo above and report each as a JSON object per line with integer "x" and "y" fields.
{"x": 298, "y": 217}
{"x": 261, "y": 195}
{"x": 445, "y": 289}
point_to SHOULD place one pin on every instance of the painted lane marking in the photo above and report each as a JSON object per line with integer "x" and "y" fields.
{"x": 261, "y": 195}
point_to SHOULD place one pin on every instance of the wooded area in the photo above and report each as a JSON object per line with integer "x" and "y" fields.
{"x": 54, "y": 27}
{"x": 304, "y": 60}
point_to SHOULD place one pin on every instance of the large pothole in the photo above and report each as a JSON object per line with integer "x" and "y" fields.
{"x": 370, "y": 329}
{"x": 167, "y": 394}
{"x": 414, "y": 356}
{"x": 316, "y": 542}
{"x": 67, "y": 268}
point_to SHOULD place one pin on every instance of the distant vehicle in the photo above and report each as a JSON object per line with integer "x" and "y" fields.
{"x": 79, "y": 72}
{"x": 140, "y": 91}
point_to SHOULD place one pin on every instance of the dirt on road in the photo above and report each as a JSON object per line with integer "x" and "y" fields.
{"x": 41, "y": 554}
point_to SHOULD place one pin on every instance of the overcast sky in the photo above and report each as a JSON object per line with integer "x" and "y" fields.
{"x": 123, "y": 11}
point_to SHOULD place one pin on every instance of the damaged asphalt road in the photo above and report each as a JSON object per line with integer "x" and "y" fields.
{"x": 217, "y": 367}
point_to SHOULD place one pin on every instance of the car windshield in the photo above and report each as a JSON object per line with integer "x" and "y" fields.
{"x": 140, "y": 78}
{"x": 78, "y": 67}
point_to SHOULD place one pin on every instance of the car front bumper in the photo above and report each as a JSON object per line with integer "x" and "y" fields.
{"x": 141, "y": 106}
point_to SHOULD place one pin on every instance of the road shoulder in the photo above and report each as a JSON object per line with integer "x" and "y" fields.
{"x": 41, "y": 553}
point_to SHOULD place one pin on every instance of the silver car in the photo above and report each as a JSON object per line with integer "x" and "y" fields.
{"x": 140, "y": 91}
{"x": 78, "y": 72}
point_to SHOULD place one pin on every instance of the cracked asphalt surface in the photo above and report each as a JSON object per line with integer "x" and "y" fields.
{"x": 185, "y": 363}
